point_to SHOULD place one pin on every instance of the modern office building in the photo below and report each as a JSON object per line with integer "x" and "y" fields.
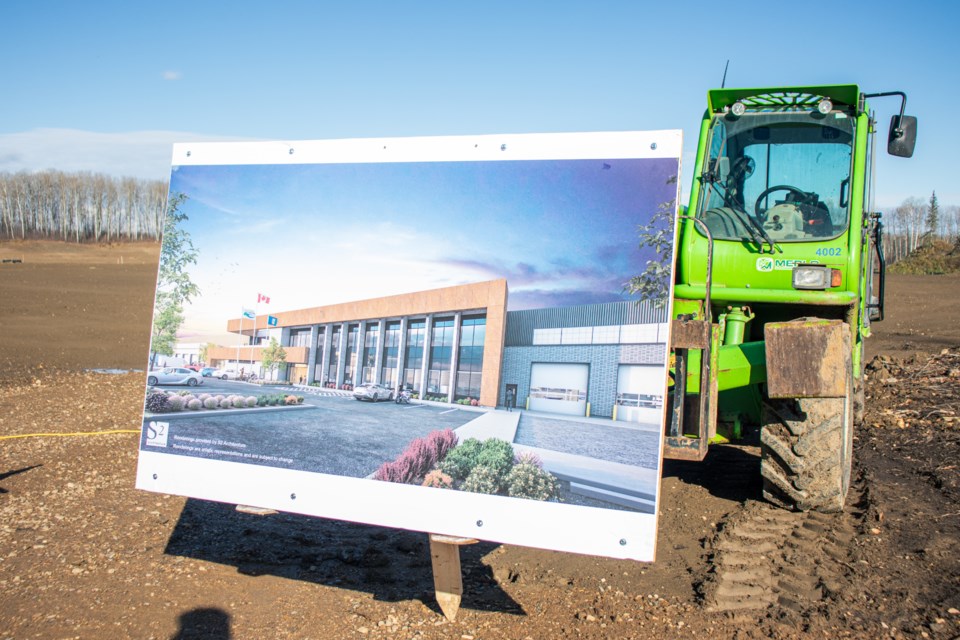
{"x": 601, "y": 360}
{"x": 444, "y": 342}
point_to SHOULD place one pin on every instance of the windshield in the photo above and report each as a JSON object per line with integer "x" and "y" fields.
{"x": 777, "y": 177}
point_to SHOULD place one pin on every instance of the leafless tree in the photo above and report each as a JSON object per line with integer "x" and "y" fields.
{"x": 81, "y": 207}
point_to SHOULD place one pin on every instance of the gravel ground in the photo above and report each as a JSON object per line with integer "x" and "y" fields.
{"x": 625, "y": 445}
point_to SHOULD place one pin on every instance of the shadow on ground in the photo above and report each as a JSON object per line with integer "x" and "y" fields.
{"x": 731, "y": 472}
{"x": 390, "y": 564}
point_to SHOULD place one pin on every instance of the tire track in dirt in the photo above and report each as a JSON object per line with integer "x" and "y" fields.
{"x": 766, "y": 558}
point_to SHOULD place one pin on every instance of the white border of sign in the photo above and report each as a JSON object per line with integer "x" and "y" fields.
{"x": 549, "y": 525}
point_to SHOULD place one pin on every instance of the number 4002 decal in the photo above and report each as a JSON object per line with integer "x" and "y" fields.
{"x": 830, "y": 251}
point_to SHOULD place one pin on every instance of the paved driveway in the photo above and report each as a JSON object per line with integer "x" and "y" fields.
{"x": 339, "y": 436}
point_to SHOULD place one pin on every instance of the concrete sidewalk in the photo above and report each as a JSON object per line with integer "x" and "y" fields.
{"x": 622, "y": 484}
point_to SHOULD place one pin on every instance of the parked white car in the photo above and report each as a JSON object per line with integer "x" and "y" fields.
{"x": 373, "y": 392}
{"x": 175, "y": 375}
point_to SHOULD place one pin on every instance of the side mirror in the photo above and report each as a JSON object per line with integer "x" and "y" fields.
{"x": 903, "y": 136}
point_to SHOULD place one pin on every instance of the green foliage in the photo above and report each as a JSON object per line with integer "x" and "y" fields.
{"x": 174, "y": 286}
{"x": 483, "y": 479}
{"x": 462, "y": 459}
{"x": 933, "y": 216}
{"x": 497, "y": 455}
{"x": 653, "y": 284}
{"x": 273, "y": 356}
{"x": 530, "y": 481}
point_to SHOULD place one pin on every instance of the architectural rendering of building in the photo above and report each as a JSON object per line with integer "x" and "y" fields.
{"x": 600, "y": 360}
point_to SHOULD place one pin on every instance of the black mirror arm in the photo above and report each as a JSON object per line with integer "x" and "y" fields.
{"x": 898, "y": 131}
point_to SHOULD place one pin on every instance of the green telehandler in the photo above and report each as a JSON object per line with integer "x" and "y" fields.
{"x": 779, "y": 274}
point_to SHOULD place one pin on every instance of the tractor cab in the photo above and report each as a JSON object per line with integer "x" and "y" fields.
{"x": 778, "y": 177}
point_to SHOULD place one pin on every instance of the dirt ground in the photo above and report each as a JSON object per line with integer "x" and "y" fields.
{"x": 85, "y": 555}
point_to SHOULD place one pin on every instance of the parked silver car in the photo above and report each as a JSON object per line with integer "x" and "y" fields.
{"x": 174, "y": 375}
{"x": 372, "y": 392}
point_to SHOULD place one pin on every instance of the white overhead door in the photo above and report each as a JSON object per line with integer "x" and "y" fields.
{"x": 640, "y": 393}
{"x": 559, "y": 388}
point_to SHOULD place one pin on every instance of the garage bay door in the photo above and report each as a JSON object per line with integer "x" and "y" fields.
{"x": 559, "y": 388}
{"x": 640, "y": 393}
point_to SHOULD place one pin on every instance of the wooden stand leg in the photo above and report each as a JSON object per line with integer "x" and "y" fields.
{"x": 447, "y": 578}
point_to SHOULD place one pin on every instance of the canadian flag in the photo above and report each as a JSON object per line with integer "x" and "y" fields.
{"x": 262, "y": 298}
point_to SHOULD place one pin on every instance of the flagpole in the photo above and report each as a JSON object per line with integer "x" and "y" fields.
{"x": 238, "y": 341}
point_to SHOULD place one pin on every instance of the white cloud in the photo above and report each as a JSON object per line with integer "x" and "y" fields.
{"x": 139, "y": 154}
{"x": 172, "y": 75}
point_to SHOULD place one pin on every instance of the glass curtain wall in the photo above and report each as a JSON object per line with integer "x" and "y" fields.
{"x": 391, "y": 352}
{"x": 413, "y": 358}
{"x": 334, "y": 354}
{"x": 441, "y": 350}
{"x": 349, "y": 371}
{"x": 470, "y": 358}
{"x": 318, "y": 369}
{"x": 369, "y": 356}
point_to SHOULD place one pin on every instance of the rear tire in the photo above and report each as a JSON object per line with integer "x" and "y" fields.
{"x": 807, "y": 447}
{"x": 191, "y": 382}
{"x": 152, "y": 381}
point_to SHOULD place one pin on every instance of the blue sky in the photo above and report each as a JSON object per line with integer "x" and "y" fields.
{"x": 561, "y": 232}
{"x": 109, "y": 86}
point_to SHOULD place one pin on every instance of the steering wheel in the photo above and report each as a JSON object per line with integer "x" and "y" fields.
{"x": 801, "y": 195}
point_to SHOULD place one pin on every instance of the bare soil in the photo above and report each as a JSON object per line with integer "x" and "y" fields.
{"x": 84, "y": 555}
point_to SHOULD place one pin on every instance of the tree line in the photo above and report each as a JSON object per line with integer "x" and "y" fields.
{"x": 915, "y": 223}
{"x": 80, "y": 207}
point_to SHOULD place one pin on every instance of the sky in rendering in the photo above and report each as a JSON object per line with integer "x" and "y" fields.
{"x": 108, "y": 86}
{"x": 562, "y": 232}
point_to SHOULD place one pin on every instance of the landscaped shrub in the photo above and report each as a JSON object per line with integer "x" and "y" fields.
{"x": 496, "y": 454}
{"x": 239, "y": 402}
{"x": 194, "y": 405}
{"x": 211, "y": 402}
{"x": 474, "y": 402}
{"x": 175, "y": 403}
{"x": 461, "y": 459}
{"x": 530, "y": 481}
{"x": 438, "y": 479}
{"x": 226, "y": 403}
{"x": 203, "y": 397}
{"x": 290, "y": 400}
{"x": 156, "y": 402}
{"x": 441, "y": 442}
{"x": 528, "y": 458}
{"x": 397, "y": 471}
{"x": 483, "y": 479}
{"x": 251, "y": 401}
{"x": 420, "y": 456}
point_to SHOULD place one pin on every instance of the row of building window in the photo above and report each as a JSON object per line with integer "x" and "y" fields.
{"x": 360, "y": 363}
{"x": 614, "y": 334}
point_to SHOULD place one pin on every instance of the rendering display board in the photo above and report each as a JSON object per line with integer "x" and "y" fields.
{"x": 453, "y": 335}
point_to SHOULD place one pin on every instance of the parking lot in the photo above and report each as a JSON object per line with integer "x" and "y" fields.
{"x": 336, "y": 435}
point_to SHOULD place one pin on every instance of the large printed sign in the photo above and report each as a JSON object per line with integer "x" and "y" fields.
{"x": 448, "y": 335}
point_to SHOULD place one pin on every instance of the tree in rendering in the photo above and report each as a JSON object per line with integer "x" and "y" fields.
{"x": 274, "y": 357}
{"x": 174, "y": 286}
{"x": 653, "y": 284}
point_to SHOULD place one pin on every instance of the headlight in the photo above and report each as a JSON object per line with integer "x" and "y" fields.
{"x": 812, "y": 276}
